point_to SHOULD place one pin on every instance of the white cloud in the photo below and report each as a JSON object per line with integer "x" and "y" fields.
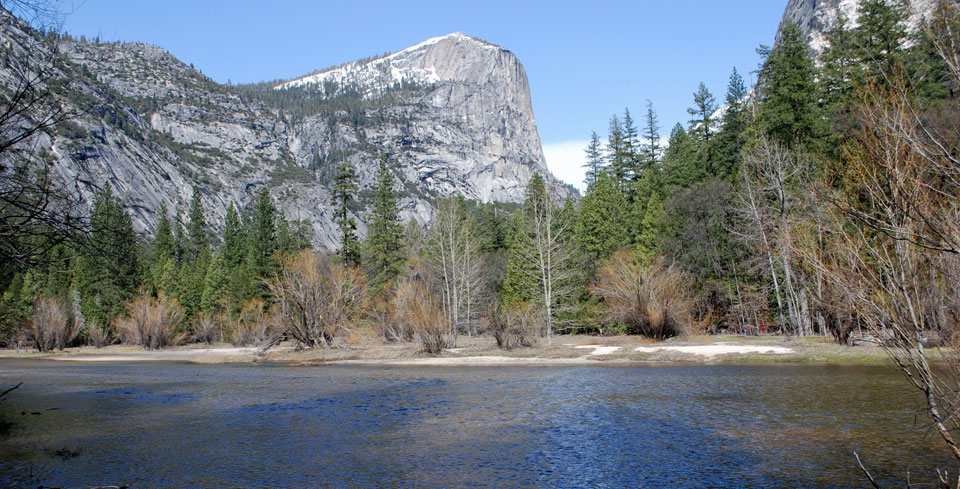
{"x": 565, "y": 160}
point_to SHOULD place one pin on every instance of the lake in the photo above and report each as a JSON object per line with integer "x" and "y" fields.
{"x": 254, "y": 425}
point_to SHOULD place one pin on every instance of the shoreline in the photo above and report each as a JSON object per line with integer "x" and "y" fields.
{"x": 482, "y": 352}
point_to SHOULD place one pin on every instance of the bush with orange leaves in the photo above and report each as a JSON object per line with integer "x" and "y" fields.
{"x": 49, "y": 326}
{"x": 151, "y": 323}
{"x": 648, "y": 296}
{"x": 317, "y": 299}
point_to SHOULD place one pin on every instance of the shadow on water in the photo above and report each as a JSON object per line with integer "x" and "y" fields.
{"x": 180, "y": 425}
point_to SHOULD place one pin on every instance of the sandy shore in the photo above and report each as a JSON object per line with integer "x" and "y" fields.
{"x": 566, "y": 350}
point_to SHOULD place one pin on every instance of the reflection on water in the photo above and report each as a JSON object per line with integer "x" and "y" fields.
{"x": 181, "y": 425}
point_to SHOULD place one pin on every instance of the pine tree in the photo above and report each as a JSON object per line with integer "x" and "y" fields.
{"x": 704, "y": 105}
{"x": 384, "y": 253}
{"x": 879, "y": 36}
{"x": 652, "y": 226}
{"x": 650, "y": 155}
{"x": 631, "y": 148}
{"x": 163, "y": 245}
{"x": 109, "y": 269}
{"x": 681, "y": 167}
{"x": 344, "y": 188}
{"x": 519, "y": 284}
{"x": 789, "y": 112}
{"x": 234, "y": 242}
{"x": 164, "y": 274}
{"x": 601, "y": 229}
{"x": 594, "y": 163}
{"x": 732, "y": 136}
{"x": 261, "y": 241}
{"x": 840, "y": 67}
{"x": 198, "y": 246}
{"x": 617, "y": 154}
{"x": 216, "y": 286}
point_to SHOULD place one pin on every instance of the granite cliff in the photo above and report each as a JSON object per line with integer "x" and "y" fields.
{"x": 453, "y": 113}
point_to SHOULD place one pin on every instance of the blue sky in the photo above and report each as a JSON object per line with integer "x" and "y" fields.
{"x": 585, "y": 60}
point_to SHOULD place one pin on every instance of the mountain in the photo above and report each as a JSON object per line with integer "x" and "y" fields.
{"x": 816, "y": 17}
{"x": 453, "y": 113}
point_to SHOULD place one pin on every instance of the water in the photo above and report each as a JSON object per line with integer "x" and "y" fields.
{"x": 183, "y": 425}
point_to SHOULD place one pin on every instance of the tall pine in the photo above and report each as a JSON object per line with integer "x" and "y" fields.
{"x": 384, "y": 252}
{"x": 344, "y": 193}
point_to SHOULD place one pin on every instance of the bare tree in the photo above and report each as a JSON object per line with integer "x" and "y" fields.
{"x": 37, "y": 211}
{"x": 456, "y": 261}
{"x": 896, "y": 230}
{"x": 771, "y": 203}
{"x": 545, "y": 245}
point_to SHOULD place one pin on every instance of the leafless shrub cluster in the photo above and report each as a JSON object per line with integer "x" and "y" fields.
{"x": 49, "y": 327}
{"x": 318, "y": 299}
{"x": 151, "y": 322}
{"x": 417, "y": 313}
{"x": 97, "y": 335}
{"x": 649, "y": 297}
{"x": 206, "y": 329}
{"x": 254, "y": 325}
{"x": 514, "y": 326}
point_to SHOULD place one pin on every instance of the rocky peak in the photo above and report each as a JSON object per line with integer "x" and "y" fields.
{"x": 816, "y": 17}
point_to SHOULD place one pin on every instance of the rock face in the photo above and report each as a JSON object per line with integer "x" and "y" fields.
{"x": 453, "y": 113}
{"x": 816, "y": 17}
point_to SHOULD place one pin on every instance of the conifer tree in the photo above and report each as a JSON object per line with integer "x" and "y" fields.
{"x": 109, "y": 270}
{"x": 619, "y": 159}
{"x": 704, "y": 105}
{"x": 789, "y": 111}
{"x": 601, "y": 229}
{"x": 594, "y": 164}
{"x": 652, "y": 227}
{"x": 163, "y": 245}
{"x": 262, "y": 240}
{"x": 198, "y": 246}
{"x": 344, "y": 190}
{"x": 841, "y": 69}
{"x": 681, "y": 167}
{"x": 650, "y": 155}
{"x": 216, "y": 285}
{"x": 233, "y": 238}
{"x": 631, "y": 148}
{"x": 732, "y": 136}
{"x": 384, "y": 253}
{"x": 879, "y": 35}
{"x": 163, "y": 255}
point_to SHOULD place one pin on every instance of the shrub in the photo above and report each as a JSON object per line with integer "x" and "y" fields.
{"x": 318, "y": 299}
{"x": 206, "y": 329}
{"x": 151, "y": 322}
{"x": 647, "y": 296}
{"x": 254, "y": 326}
{"x": 48, "y": 327}
{"x": 416, "y": 313}
{"x": 513, "y": 326}
{"x": 97, "y": 335}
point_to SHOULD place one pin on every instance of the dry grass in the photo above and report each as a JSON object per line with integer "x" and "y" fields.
{"x": 151, "y": 322}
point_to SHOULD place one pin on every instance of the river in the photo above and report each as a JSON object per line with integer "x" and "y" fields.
{"x": 250, "y": 425}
